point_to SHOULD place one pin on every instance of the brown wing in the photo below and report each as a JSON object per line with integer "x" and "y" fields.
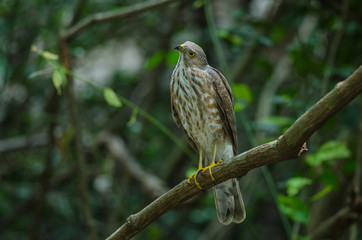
{"x": 176, "y": 119}
{"x": 225, "y": 102}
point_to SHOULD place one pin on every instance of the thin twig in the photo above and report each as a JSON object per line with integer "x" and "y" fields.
{"x": 334, "y": 48}
{"x": 52, "y": 110}
{"x": 215, "y": 39}
{"x": 282, "y": 71}
{"x": 23, "y": 142}
{"x": 357, "y": 179}
{"x": 286, "y": 147}
{"x": 111, "y": 15}
{"x": 77, "y": 12}
{"x": 336, "y": 225}
{"x": 66, "y": 61}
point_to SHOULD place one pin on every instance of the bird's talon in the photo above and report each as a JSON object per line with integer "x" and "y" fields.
{"x": 204, "y": 169}
{"x": 209, "y": 168}
{"x": 212, "y": 177}
{"x": 194, "y": 176}
{"x": 189, "y": 179}
{"x": 198, "y": 184}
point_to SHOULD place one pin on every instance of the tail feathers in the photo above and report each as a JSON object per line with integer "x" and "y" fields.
{"x": 229, "y": 202}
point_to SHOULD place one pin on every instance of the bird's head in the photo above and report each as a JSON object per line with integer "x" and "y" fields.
{"x": 191, "y": 55}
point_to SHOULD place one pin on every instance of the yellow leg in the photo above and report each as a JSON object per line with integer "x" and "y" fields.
{"x": 213, "y": 164}
{"x": 198, "y": 170}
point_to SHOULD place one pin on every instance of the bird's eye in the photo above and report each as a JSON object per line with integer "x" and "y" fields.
{"x": 191, "y": 53}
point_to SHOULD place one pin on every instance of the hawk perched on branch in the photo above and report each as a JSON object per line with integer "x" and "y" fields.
{"x": 202, "y": 106}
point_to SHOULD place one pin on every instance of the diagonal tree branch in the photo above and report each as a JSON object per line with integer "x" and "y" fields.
{"x": 111, "y": 15}
{"x": 152, "y": 186}
{"x": 286, "y": 147}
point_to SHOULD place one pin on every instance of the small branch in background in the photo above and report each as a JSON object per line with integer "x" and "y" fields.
{"x": 286, "y": 147}
{"x": 340, "y": 222}
{"x": 77, "y": 12}
{"x": 334, "y": 47}
{"x": 343, "y": 93}
{"x": 52, "y": 110}
{"x": 110, "y": 16}
{"x": 23, "y": 142}
{"x": 239, "y": 67}
{"x": 281, "y": 72}
{"x": 65, "y": 59}
{"x": 266, "y": 104}
{"x": 215, "y": 39}
{"x": 150, "y": 184}
{"x": 357, "y": 180}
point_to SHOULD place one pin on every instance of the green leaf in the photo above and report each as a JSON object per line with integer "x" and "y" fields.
{"x": 44, "y": 54}
{"x": 198, "y": 3}
{"x": 133, "y": 117}
{"x": 297, "y": 183}
{"x": 57, "y": 80}
{"x": 111, "y": 97}
{"x": 222, "y": 33}
{"x": 239, "y": 106}
{"x": 234, "y": 39}
{"x": 49, "y": 55}
{"x": 155, "y": 60}
{"x": 41, "y": 72}
{"x": 242, "y": 91}
{"x": 294, "y": 208}
{"x": 322, "y": 193}
{"x": 329, "y": 151}
{"x": 276, "y": 121}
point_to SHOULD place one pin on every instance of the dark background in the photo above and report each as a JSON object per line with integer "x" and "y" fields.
{"x": 280, "y": 57}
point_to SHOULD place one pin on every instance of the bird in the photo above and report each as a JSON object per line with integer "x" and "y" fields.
{"x": 202, "y": 105}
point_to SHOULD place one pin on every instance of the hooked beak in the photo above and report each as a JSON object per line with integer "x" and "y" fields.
{"x": 180, "y": 47}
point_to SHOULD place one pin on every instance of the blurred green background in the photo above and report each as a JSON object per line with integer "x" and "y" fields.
{"x": 280, "y": 57}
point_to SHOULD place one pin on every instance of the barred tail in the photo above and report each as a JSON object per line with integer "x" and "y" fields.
{"x": 229, "y": 202}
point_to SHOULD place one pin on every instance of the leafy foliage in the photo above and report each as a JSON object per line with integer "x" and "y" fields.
{"x": 242, "y": 95}
{"x": 296, "y": 183}
{"x": 294, "y": 208}
{"x": 329, "y": 151}
{"x": 126, "y": 65}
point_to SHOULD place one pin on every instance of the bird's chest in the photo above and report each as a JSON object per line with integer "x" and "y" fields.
{"x": 196, "y": 106}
